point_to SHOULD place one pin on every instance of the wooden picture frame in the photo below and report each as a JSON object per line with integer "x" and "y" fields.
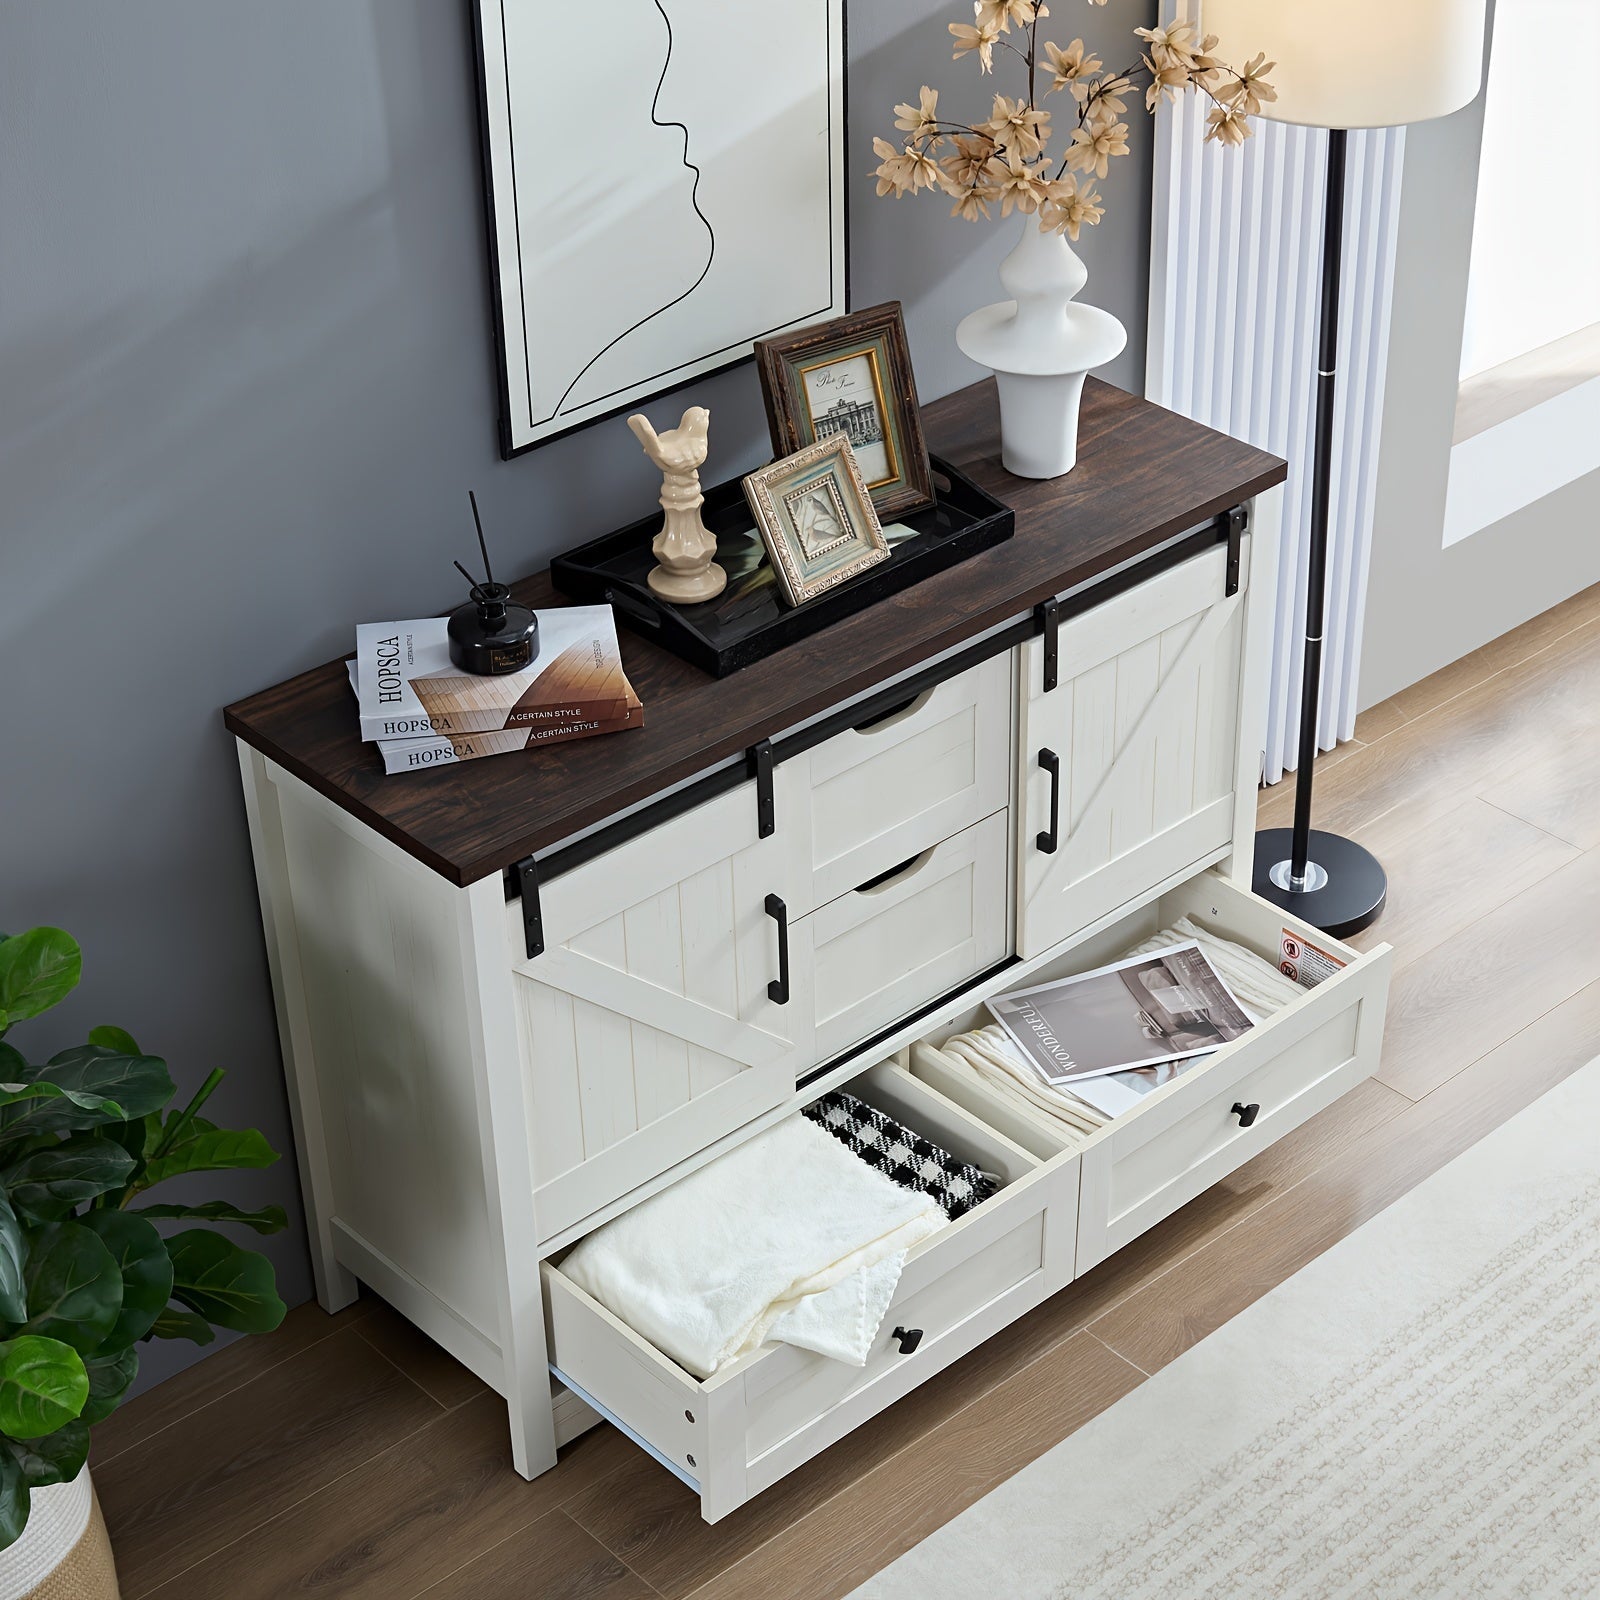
{"x": 858, "y": 368}
{"x": 816, "y": 518}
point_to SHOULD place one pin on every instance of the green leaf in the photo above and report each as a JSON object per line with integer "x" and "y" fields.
{"x": 139, "y": 1084}
{"x": 47, "y": 1185}
{"x": 111, "y": 1373}
{"x": 38, "y": 969}
{"x": 204, "y": 1147}
{"x": 269, "y": 1219}
{"x": 13, "y": 1066}
{"x": 141, "y": 1256}
{"x": 43, "y": 1386}
{"x": 118, "y": 1039}
{"x": 129, "y": 1087}
{"x": 182, "y": 1325}
{"x": 13, "y": 1260}
{"x": 74, "y": 1286}
{"x": 14, "y": 1497}
{"x": 230, "y": 1287}
{"x": 56, "y": 1458}
{"x": 79, "y": 1109}
{"x": 138, "y": 1138}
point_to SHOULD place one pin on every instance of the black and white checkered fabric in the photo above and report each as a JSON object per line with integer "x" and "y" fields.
{"x": 902, "y": 1154}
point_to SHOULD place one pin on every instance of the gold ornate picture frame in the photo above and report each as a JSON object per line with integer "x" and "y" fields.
{"x": 816, "y": 518}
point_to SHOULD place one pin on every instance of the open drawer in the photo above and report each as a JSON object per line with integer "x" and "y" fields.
{"x": 1195, "y": 1130}
{"x": 734, "y": 1434}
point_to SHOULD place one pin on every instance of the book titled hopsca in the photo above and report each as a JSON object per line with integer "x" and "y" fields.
{"x": 408, "y": 687}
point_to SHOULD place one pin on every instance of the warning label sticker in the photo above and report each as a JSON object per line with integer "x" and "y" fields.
{"x": 1306, "y": 963}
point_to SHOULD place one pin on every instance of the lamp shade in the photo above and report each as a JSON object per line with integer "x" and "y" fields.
{"x": 1357, "y": 64}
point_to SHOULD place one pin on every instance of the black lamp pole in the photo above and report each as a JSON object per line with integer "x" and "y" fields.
{"x": 1326, "y": 880}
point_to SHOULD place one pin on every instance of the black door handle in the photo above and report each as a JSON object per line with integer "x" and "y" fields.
{"x": 1050, "y": 838}
{"x": 1246, "y": 1114}
{"x": 778, "y": 989}
{"x": 907, "y": 1338}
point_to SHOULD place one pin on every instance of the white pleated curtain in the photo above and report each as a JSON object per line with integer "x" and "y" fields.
{"x": 1235, "y": 281}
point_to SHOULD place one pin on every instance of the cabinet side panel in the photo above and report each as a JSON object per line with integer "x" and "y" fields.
{"x": 387, "y": 1010}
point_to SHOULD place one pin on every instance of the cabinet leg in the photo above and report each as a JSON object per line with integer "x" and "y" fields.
{"x": 533, "y": 1429}
{"x": 337, "y": 1286}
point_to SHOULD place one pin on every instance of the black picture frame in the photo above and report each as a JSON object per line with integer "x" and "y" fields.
{"x": 509, "y": 447}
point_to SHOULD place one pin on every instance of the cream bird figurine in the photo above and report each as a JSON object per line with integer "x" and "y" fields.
{"x": 684, "y": 547}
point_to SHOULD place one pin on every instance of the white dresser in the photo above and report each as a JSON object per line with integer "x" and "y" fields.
{"x": 492, "y": 1050}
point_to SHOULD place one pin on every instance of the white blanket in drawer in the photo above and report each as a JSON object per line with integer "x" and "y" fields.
{"x": 788, "y": 1237}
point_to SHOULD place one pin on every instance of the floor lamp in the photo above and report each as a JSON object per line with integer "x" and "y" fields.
{"x": 1359, "y": 64}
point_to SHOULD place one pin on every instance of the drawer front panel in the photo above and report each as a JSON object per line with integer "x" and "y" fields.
{"x": 880, "y": 793}
{"x": 1127, "y": 768}
{"x": 939, "y": 1308}
{"x": 880, "y": 953}
{"x": 1153, "y": 1160}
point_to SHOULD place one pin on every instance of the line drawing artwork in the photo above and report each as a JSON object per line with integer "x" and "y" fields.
{"x": 654, "y": 207}
{"x": 694, "y": 200}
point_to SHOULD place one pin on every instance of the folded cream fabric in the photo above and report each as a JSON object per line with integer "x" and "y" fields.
{"x": 790, "y": 1236}
{"x": 1256, "y": 982}
{"x": 989, "y": 1054}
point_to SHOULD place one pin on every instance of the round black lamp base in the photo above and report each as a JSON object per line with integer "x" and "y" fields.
{"x": 1350, "y": 898}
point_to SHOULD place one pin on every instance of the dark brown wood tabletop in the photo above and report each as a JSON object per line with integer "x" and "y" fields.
{"x": 1144, "y": 474}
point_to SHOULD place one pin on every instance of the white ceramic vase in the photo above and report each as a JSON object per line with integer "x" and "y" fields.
{"x": 1040, "y": 345}
{"x": 63, "y": 1552}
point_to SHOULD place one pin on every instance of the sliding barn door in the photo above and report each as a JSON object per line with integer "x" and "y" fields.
{"x": 1129, "y": 763}
{"x": 654, "y": 1021}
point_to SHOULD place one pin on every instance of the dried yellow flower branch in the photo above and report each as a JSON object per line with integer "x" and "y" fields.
{"x": 1006, "y": 158}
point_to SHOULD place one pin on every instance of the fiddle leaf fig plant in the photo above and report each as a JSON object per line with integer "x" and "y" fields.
{"x": 86, "y": 1276}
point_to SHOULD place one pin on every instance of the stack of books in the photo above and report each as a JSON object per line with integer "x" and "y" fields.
{"x": 423, "y": 711}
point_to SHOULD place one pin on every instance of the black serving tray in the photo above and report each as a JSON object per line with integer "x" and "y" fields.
{"x": 750, "y": 618}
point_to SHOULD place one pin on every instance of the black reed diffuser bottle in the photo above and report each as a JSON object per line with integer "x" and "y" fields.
{"x": 491, "y": 634}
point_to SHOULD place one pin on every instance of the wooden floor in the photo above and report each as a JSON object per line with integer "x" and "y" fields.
{"x": 347, "y": 1456}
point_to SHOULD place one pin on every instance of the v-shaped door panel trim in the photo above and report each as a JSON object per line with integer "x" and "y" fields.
{"x": 1143, "y": 724}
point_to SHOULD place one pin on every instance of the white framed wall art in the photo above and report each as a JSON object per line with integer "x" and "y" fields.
{"x": 665, "y": 185}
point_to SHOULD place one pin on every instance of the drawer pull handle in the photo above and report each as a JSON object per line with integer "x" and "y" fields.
{"x": 1246, "y": 1114}
{"x": 902, "y": 869}
{"x": 1050, "y": 838}
{"x": 907, "y": 1338}
{"x": 778, "y": 989}
{"x": 895, "y": 713}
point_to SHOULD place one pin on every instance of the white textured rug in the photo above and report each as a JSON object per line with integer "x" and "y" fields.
{"x": 1414, "y": 1416}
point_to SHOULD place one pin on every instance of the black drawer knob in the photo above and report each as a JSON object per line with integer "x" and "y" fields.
{"x": 908, "y": 1339}
{"x": 1246, "y": 1114}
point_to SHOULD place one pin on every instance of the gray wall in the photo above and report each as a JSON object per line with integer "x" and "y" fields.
{"x": 1426, "y": 605}
{"x": 246, "y": 379}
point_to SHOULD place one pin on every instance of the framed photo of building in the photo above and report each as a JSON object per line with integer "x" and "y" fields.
{"x": 852, "y": 376}
{"x": 816, "y": 518}
{"x": 634, "y": 251}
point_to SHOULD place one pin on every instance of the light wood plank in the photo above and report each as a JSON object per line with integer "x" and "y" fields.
{"x": 1519, "y": 644}
{"x": 1474, "y": 991}
{"x": 1558, "y": 791}
{"x": 1484, "y": 855}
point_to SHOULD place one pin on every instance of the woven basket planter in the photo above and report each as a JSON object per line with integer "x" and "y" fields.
{"x": 64, "y": 1553}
